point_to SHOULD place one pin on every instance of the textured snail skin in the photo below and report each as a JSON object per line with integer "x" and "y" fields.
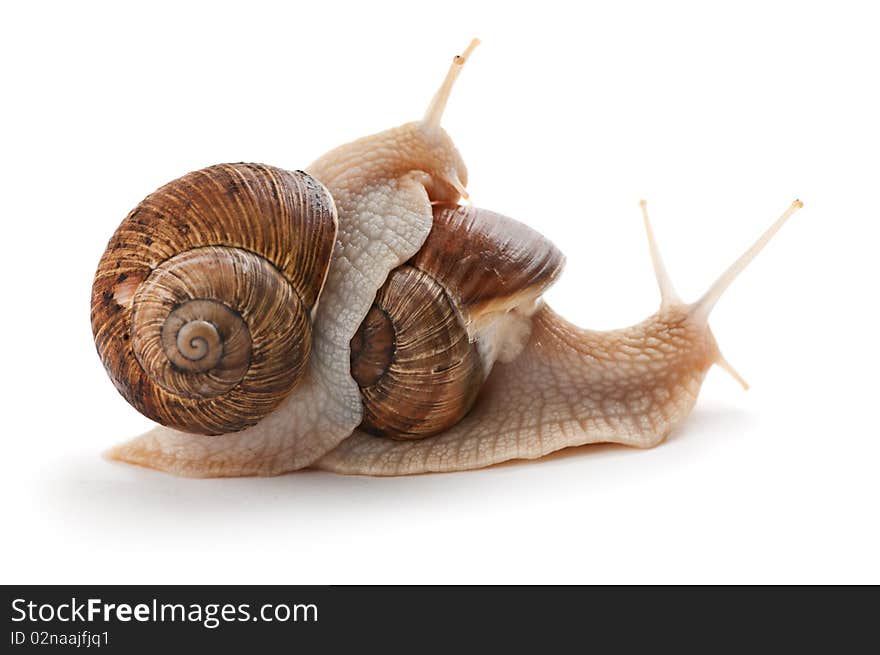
{"x": 544, "y": 385}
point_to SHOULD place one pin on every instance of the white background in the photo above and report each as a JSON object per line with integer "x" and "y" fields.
{"x": 567, "y": 115}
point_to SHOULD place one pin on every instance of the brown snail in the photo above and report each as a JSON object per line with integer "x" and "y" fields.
{"x": 356, "y": 318}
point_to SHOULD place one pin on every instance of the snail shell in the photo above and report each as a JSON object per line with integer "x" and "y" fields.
{"x": 438, "y": 324}
{"x": 202, "y": 302}
{"x": 411, "y": 357}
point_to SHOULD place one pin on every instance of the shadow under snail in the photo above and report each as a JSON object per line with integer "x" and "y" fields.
{"x": 354, "y": 317}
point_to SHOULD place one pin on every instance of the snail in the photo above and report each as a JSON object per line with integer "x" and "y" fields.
{"x": 356, "y": 317}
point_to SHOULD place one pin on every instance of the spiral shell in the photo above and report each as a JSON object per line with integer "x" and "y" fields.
{"x": 441, "y": 320}
{"x": 412, "y": 358}
{"x": 202, "y": 302}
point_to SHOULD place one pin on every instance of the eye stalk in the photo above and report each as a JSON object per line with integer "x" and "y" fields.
{"x": 701, "y": 309}
{"x": 438, "y": 103}
{"x": 455, "y": 173}
{"x": 698, "y": 312}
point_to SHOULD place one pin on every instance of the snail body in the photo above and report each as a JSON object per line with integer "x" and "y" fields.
{"x": 355, "y": 317}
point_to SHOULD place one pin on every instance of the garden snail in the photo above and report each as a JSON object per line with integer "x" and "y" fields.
{"x": 354, "y": 317}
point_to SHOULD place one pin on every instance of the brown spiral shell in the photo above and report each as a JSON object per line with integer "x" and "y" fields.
{"x": 415, "y": 357}
{"x": 412, "y": 358}
{"x": 201, "y": 305}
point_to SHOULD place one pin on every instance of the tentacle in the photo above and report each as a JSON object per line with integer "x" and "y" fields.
{"x": 728, "y": 367}
{"x": 668, "y": 296}
{"x": 438, "y": 103}
{"x": 701, "y": 309}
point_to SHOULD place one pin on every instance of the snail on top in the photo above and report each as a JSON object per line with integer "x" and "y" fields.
{"x": 356, "y": 318}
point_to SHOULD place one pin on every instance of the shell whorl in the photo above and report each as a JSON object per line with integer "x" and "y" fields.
{"x": 442, "y": 319}
{"x": 202, "y": 302}
{"x": 412, "y": 358}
